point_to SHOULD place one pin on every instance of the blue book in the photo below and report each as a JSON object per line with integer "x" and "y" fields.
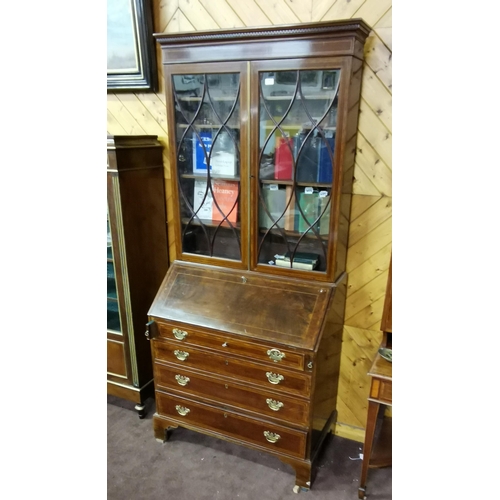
{"x": 200, "y": 154}
{"x": 308, "y": 158}
{"x": 325, "y": 170}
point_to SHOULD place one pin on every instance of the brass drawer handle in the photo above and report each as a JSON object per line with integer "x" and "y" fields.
{"x": 182, "y": 410}
{"x": 274, "y": 378}
{"x": 272, "y": 437}
{"x": 182, "y": 380}
{"x": 179, "y": 334}
{"x": 181, "y": 355}
{"x": 273, "y": 404}
{"x": 276, "y": 355}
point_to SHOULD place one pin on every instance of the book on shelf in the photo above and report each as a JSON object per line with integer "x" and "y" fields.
{"x": 295, "y": 265}
{"x": 291, "y": 218}
{"x": 221, "y": 155}
{"x": 202, "y": 200}
{"x": 226, "y": 196}
{"x": 274, "y": 199}
{"x": 324, "y": 208}
{"x": 201, "y": 151}
{"x": 283, "y": 158}
{"x": 306, "y": 152}
{"x": 325, "y": 164}
{"x": 308, "y": 202}
{"x": 304, "y": 257}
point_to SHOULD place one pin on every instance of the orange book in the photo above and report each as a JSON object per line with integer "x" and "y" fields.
{"x": 226, "y": 196}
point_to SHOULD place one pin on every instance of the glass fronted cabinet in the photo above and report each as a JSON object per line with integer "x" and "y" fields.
{"x": 263, "y": 162}
{"x": 246, "y": 328}
{"x": 137, "y": 260}
{"x": 296, "y": 157}
{"x": 210, "y": 191}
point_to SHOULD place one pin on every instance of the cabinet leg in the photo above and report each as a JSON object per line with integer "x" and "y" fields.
{"x": 302, "y": 474}
{"x": 140, "y": 410}
{"x": 162, "y": 429}
{"x": 371, "y": 421}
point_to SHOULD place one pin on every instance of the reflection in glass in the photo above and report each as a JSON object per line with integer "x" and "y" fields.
{"x": 208, "y": 161}
{"x": 298, "y": 122}
{"x": 113, "y": 312}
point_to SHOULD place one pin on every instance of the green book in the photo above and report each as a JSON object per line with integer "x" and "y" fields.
{"x": 275, "y": 201}
{"x": 324, "y": 222}
{"x": 309, "y": 205}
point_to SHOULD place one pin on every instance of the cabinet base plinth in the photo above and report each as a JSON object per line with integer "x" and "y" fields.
{"x": 303, "y": 467}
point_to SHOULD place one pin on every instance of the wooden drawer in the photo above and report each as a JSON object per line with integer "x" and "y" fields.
{"x": 199, "y": 416}
{"x": 381, "y": 391}
{"x": 270, "y": 377}
{"x": 232, "y": 395}
{"x": 270, "y": 353}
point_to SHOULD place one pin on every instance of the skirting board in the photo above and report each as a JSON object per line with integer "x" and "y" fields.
{"x": 349, "y": 432}
{"x": 343, "y": 430}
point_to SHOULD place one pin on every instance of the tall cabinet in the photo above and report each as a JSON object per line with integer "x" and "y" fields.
{"x": 137, "y": 260}
{"x": 246, "y": 327}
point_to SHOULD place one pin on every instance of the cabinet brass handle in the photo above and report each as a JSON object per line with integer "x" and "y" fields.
{"x": 182, "y": 380}
{"x": 179, "y": 334}
{"x": 182, "y": 410}
{"x": 181, "y": 355}
{"x": 276, "y": 355}
{"x": 274, "y": 378}
{"x": 273, "y": 404}
{"x": 272, "y": 437}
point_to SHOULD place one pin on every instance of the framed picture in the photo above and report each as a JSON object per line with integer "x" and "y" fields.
{"x": 131, "y": 47}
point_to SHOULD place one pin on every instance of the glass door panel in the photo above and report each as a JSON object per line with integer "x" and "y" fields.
{"x": 207, "y": 127}
{"x": 297, "y": 127}
{"x": 112, "y": 294}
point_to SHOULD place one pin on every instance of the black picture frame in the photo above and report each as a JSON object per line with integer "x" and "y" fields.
{"x": 131, "y": 60}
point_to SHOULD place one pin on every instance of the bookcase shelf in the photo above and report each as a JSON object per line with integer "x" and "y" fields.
{"x": 259, "y": 341}
{"x": 282, "y": 182}
{"x": 212, "y": 176}
{"x": 207, "y": 126}
{"x": 210, "y": 223}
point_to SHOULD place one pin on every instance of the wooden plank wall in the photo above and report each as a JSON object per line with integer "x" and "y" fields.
{"x": 370, "y": 237}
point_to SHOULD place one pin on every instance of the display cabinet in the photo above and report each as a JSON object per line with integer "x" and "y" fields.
{"x": 246, "y": 327}
{"x": 137, "y": 260}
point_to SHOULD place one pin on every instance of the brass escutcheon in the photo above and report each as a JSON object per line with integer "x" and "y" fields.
{"x": 275, "y": 354}
{"x": 182, "y": 380}
{"x": 182, "y": 410}
{"x": 273, "y": 404}
{"x": 272, "y": 437}
{"x": 181, "y": 355}
{"x": 179, "y": 334}
{"x": 274, "y": 378}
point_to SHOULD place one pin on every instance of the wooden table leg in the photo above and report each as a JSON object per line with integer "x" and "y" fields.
{"x": 373, "y": 409}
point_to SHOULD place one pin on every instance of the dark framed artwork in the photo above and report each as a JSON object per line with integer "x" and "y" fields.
{"x": 131, "y": 47}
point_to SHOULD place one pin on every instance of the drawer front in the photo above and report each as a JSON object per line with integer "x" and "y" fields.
{"x": 257, "y": 433}
{"x": 237, "y": 347}
{"x": 232, "y": 395}
{"x": 270, "y": 377}
{"x": 381, "y": 390}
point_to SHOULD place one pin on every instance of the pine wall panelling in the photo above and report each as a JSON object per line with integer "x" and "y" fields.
{"x": 370, "y": 231}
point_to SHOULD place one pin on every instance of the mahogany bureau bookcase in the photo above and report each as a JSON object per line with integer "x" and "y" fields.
{"x": 137, "y": 260}
{"x": 246, "y": 328}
